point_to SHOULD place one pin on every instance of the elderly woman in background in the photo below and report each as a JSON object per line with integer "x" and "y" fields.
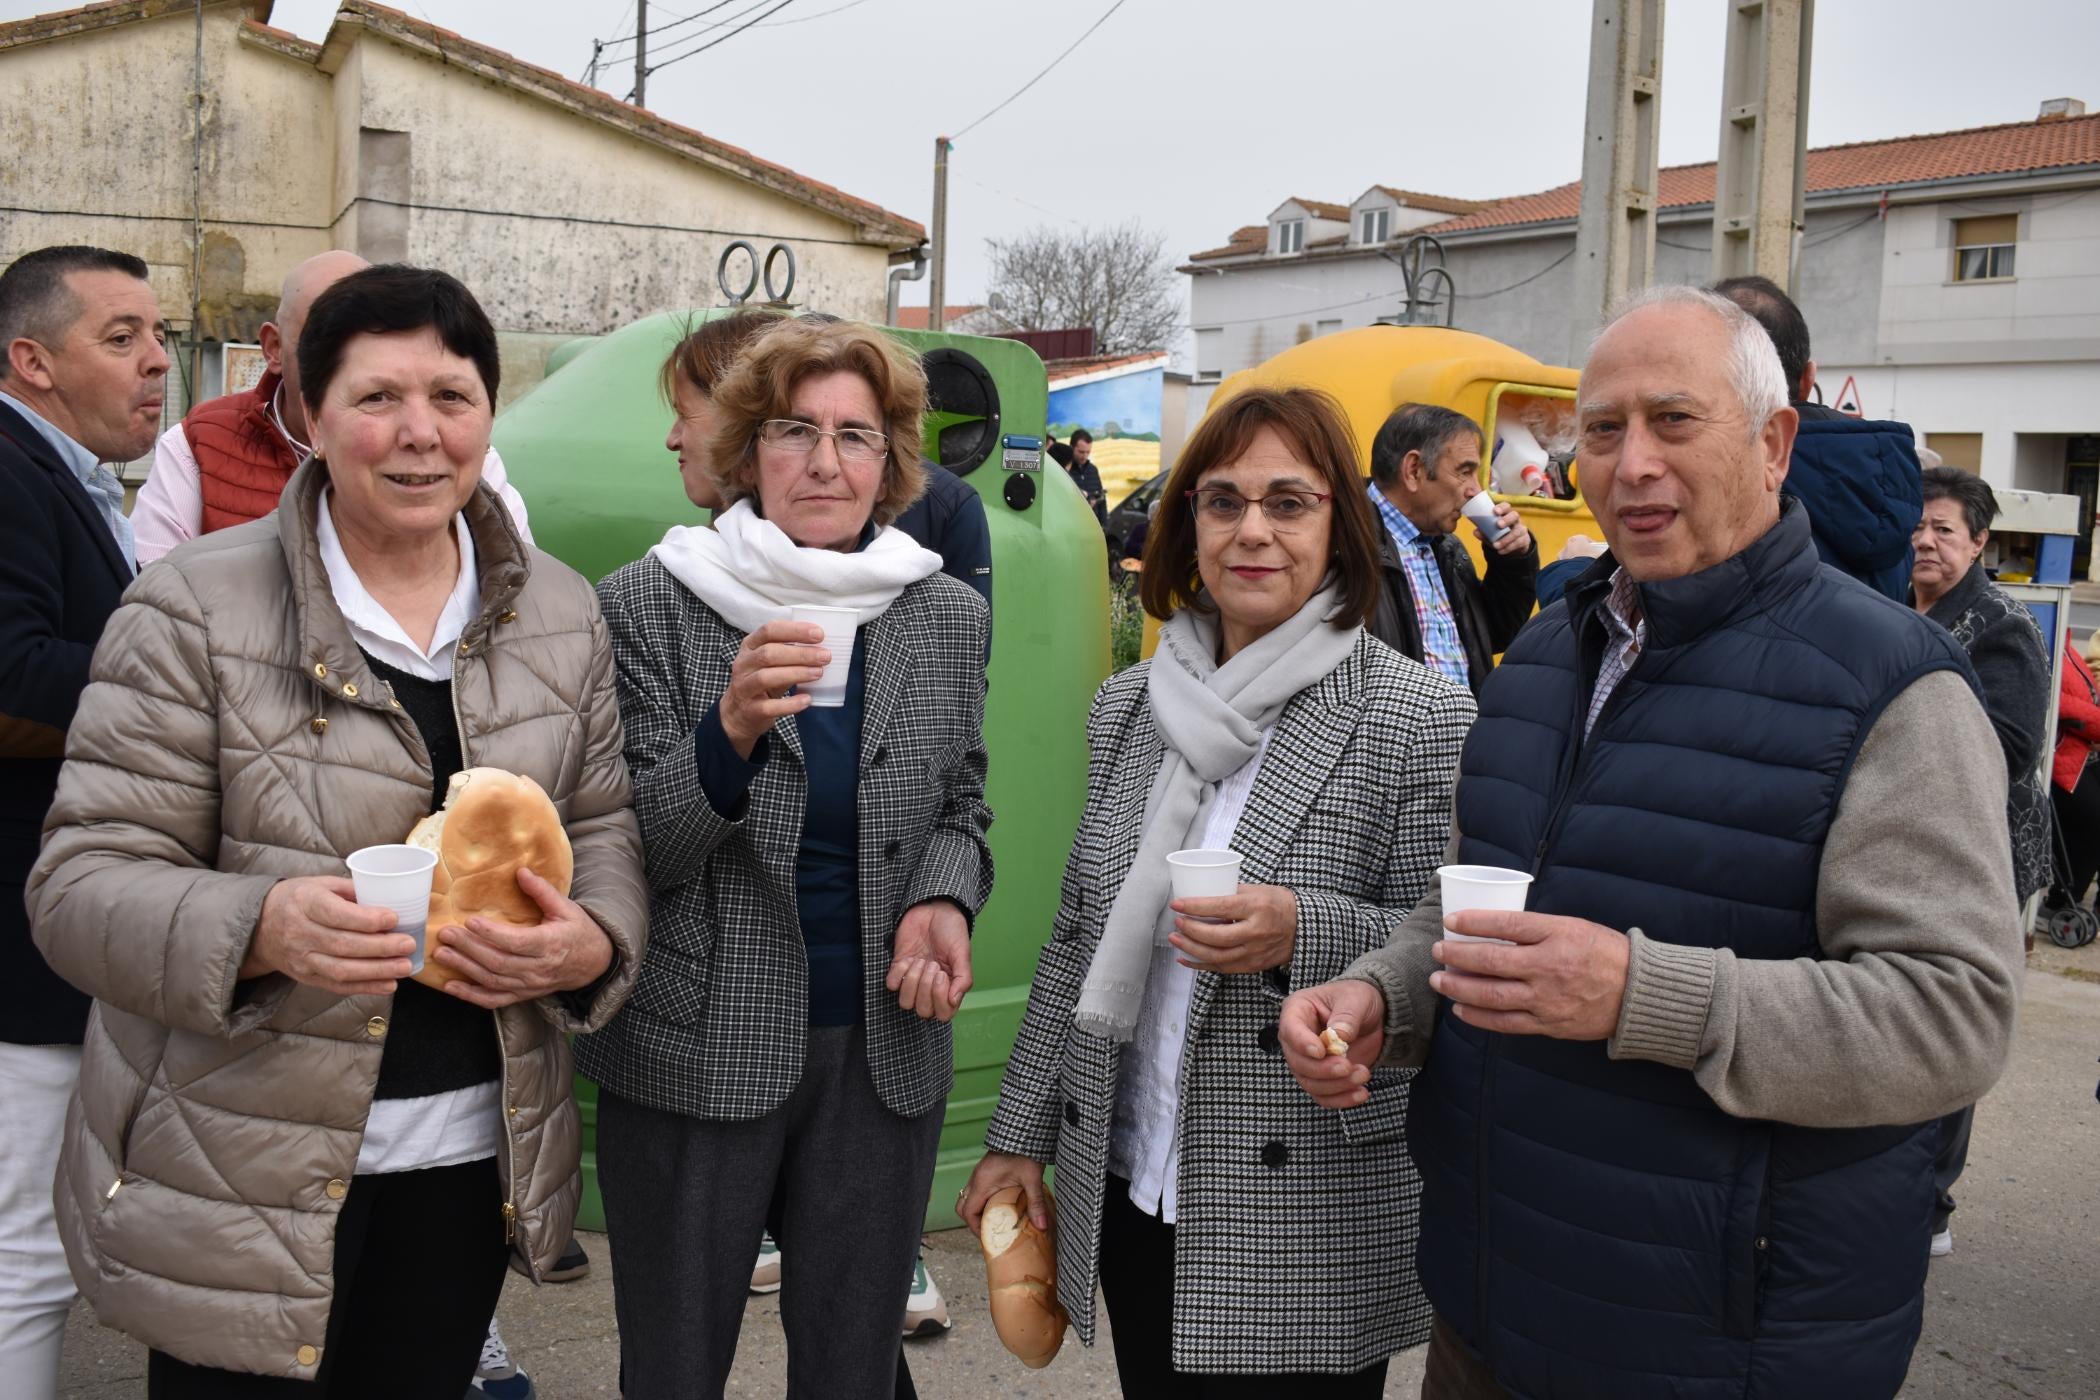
{"x": 288, "y": 1161}
{"x": 1243, "y": 1240}
{"x": 688, "y": 379}
{"x": 814, "y": 870}
{"x": 1948, "y": 584}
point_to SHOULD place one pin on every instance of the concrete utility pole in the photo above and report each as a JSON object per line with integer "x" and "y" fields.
{"x": 641, "y": 53}
{"x": 937, "y": 296}
{"x": 1764, "y": 139}
{"x": 1615, "y": 240}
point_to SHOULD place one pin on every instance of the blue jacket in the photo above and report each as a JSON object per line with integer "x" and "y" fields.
{"x": 61, "y": 575}
{"x": 1859, "y": 480}
{"x": 1600, "y": 1228}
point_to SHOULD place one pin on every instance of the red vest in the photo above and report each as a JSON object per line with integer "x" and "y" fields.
{"x": 243, "y": 462}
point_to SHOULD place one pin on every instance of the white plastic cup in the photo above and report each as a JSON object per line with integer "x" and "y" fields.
{"x": 1480, "y": 509}
{"x": 839, "y": 625}
{"x": 1481, "y": 887}
{"x": 1201, "y": 874}
{"x": 397, "y": 877}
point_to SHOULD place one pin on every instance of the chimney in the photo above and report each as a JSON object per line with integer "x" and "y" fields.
{"x": 2056, "y": 109}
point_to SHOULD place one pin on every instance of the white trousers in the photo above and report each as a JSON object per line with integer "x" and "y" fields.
{"x": 36, "y": 1290}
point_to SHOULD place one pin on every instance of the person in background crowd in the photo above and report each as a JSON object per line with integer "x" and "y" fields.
{"x": 949, "y": 519}
{"x": 1433, "y": 607}
{"x": 1244, "y": 1243}
{"x": 1086, "y": 476}
{"x": 688, "y": 379}
{"x": 2076, "y": 800}
{"x": 1676, "y": 1130}
{"x": 2004, "y": 644}
{"x": 227, "y": 462}
{"x": 1858, "y": 478}
{"x": 82, "y": 372}
{"x": 814, "y": 873}
{"x": 288, "y": 1170}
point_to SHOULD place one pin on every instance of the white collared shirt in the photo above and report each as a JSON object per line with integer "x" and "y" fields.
{"x": 1144, "y": 1143}
{"x": 373, "y": 628}
{"x": 459, "y": 1125}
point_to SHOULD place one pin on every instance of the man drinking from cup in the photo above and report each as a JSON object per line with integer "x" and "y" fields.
{"x": 1676, "y": 1133}
{"x": 1425, "y": 477}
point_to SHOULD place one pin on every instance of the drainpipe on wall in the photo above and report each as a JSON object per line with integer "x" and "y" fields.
{"x": 197, "y": 210}
{"x": 899, "y": 275}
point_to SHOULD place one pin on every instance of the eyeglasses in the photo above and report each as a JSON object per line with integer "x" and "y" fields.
{"x": 791, "y": 435}
{"x": 1286, "y": 510}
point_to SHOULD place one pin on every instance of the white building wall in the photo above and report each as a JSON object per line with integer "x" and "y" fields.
{"x": 2000, "y": 401}
{"x": 2050, "y": 310}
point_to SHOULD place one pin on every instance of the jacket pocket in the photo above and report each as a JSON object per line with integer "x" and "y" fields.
{"x": 1747, "y": 1242}
{"x": 672, "y": 983}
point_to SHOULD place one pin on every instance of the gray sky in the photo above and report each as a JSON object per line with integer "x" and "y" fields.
{"x": 1198, "y": 116}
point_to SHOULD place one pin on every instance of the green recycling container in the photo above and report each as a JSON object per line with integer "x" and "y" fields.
{"x": 586, "y": 450}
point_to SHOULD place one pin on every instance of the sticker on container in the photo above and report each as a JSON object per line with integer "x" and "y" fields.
{"x": 1023, "y": 454}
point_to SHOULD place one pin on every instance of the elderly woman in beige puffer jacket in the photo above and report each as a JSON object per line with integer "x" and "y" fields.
{"x": 281, "y": 1161}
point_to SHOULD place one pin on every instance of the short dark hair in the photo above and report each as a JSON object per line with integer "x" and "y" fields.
{"x": 706, "y": 351}
{"x": 1080, "y": 435}
{"x": 1773, "y": 309}
{"x": 1312, "y": 422}
{"x": 35, "y": 302}
{"x": 387, "y": 299}
{"x": 1979, "y": 503}
{"x": 1417, "y": 427}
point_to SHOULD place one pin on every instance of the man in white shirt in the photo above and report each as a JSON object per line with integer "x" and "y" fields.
{"x": 229, "y": 458}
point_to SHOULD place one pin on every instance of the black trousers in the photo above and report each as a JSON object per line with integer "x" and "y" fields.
{"x": 419, "y": 1263}
{"x": 1137, "y": 1284}
{"x": 2078, "y": 819}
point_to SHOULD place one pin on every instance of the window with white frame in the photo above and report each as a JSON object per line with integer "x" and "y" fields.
{"x": 1375, "y": 225}
{"x": 1983, "y": 248}
{"x": 1290, "y": 236}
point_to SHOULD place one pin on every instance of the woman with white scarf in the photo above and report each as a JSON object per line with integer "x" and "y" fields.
{"x": 1244, "y": 1244}
{"x": 814, "y": 869}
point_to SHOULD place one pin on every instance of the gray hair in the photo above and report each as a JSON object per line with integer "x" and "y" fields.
{"x": 1754, "y": 370}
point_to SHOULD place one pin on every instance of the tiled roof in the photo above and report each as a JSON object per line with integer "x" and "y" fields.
{"x": 1251, "y": 239}
{"x": 878, "y": 223}
{"x": 1324, "y": 209}
{"x": 1434, "y": 203}
{"x": 1096, "y": 364}
{"x": 1902, "y": 160}
{"x": 59, "y": 24}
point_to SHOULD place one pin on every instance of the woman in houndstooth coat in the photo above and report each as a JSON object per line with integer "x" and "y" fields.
{"x": 1236, "y": 1229}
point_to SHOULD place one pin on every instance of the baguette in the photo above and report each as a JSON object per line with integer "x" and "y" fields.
{"x": 1020, "y": 1266}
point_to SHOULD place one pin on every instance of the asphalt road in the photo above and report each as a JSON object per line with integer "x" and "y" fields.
{"x": 2015, "y": 1311}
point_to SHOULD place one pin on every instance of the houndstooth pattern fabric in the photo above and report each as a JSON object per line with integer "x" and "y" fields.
{"x": 1295, "y": 1234}
{"x": 718, "y": 1022}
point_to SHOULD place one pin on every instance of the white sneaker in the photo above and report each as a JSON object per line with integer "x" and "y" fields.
{"x": 1943, "y": 1243}
{"x": 925, "y": 1311}
{"x": 765, "y": 1274}
{"x": 497, "y": 1375}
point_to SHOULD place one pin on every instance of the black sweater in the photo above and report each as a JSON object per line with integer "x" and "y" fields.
{"x": 434, "y": 1042}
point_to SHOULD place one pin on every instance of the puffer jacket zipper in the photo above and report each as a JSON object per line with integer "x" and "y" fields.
{"x": 510, "y": 1136}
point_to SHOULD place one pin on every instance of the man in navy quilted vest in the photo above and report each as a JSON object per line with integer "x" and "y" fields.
{"x": 1675, "y": 1130}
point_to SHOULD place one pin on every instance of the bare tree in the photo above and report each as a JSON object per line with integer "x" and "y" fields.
{"x": 1119, "y": 280}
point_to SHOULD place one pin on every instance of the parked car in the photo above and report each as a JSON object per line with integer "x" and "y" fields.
{"x": 1129, "y": 511}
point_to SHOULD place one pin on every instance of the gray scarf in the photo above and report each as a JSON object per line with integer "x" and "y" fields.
{"x": 1210, "y": 718}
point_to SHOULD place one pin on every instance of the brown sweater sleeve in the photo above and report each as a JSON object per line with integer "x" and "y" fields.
{"x": 1909, "y": 1015}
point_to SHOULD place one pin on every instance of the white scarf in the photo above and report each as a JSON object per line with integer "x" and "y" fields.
{"x": 750, "y": 572}
{"x": 1210, "y": 718}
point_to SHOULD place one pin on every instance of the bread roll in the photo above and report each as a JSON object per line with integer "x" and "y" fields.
{"x": 1020, "y": 1267}
{"x": 1334, "y": 1043}
{"x": 493, "y": 824}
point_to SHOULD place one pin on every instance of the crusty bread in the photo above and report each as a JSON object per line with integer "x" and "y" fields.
{"x": 1020, "y": 1266}
{"x": 493, "y": 823}
{"x": 1335, "y": 1044}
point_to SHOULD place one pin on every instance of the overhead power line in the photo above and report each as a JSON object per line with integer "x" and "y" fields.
{"x": 676, "y": 22}
{"x": 1012, "y": 97}
{"x": 711, "y": 43}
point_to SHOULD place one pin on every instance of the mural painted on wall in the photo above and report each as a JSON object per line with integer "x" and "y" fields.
{"x": 1122, "y": 412}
